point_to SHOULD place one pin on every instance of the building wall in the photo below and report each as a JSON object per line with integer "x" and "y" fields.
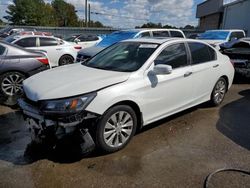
{"x": 237, "y": 16}
{"x": 210, "y": 22}
{"x": 209, "y": 7}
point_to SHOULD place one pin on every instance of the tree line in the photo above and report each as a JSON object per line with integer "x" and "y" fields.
{"x": 58, "y": 13}
{"x": 159, "y": 25}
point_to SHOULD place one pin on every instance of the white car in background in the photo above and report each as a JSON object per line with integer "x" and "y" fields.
{"x": 58, "y": 51}
{"x": 84, "y": 40}
{"x": 218, "y": 37}
{"x": 126, "y": 86}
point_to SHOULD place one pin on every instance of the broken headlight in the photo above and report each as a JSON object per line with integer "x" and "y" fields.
{"x": 68, "y": 105}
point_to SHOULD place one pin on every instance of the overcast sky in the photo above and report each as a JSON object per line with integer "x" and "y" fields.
{"x": 130, "y": 13}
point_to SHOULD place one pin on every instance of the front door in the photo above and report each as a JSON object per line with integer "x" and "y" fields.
{"x": 167, "y": 94}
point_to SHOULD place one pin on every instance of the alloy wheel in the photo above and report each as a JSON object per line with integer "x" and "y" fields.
{"x": 118, "y": 129}
{"x": 12, "y": 84}
{"x": 219, "y": 92}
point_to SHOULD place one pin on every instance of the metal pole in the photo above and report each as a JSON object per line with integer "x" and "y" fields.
{"x": 89, "y": 14}
{"x": 86, "y": 13}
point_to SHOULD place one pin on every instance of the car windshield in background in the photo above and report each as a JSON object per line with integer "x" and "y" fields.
{"x": 123, "y": 57}
{"x": 214, "y": 35}
{"x": 116, "y": 37}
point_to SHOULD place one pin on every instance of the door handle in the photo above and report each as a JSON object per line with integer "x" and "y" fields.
{"x": 216, "y": 65}
{"x": 59, "y": 49}
{"x": 188, "y": 74}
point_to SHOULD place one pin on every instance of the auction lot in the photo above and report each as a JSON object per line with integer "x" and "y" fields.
{"x": 179, "y": 151}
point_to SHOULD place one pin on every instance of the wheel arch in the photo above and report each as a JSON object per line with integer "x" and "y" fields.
{"x": 67, "y": 54}
{"x": 136, "y": 108}
{"x": 19, "y": 71}
{"x": 227, "y": 80}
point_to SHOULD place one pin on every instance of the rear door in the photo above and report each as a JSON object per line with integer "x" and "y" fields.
{"x": 205, "y": 70}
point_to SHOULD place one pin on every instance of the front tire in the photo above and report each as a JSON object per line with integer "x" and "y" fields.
{"x": 219, "y": 92}
{"x": 116, "y": 128}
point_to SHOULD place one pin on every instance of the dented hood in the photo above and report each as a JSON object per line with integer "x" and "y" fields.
{"x": 68, "y": 81}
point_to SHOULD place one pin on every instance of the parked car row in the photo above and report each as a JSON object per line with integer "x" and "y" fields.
{"x": 60, "y": 52}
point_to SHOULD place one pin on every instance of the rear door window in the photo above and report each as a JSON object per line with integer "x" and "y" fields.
{"x": 27, "y": 42}
{"x": 201, "y": 53}
{"x": 48, "y": 41}
{"x": 161, "y": 34}
{"x": 177, "y": 34}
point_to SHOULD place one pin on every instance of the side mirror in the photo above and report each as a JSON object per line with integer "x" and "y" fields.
{"x": 161, "y": 69}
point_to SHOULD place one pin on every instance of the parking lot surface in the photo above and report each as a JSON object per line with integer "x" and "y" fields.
{"x": 179, "y": 151}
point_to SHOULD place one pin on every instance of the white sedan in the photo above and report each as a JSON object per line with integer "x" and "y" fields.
{"x": 125, "y": 87}
{"x": 84, "y": 40}
{"x": 59, "y": 51}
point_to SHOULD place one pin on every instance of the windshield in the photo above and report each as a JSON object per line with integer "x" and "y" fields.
{"x": 123, "y": 57}
{"x": 116, "y": 37}
{"x": 214, "y": 35}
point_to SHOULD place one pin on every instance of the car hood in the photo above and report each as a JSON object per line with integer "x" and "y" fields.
{"x": 68, "y": 81}
{"x": 90, "y": 52}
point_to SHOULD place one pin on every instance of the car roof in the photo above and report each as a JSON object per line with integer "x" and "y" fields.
{"x": 27, "y": 36}
{"x": 150, "y": 29}
{"x": 162, "y": 40}
{"x": 226, "y": 30}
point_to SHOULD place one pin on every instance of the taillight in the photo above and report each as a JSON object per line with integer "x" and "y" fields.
{"x": 43, "y": 60}
{"x": 78, "y": 47}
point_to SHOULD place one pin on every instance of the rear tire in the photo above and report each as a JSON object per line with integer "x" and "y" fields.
{"x": 219, "y": 92}
{"x": 116, "y": 128}
{"x": 66, "y": 60}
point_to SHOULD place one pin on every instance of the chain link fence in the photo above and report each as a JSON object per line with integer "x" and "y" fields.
{"x": 68, "y": 31}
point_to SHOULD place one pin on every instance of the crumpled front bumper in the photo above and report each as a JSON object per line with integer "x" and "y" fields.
{"x": 61, "y": 124}
{"x": 33, "y": 111}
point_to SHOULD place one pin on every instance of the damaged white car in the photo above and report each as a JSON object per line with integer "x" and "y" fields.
{"x": 123, "y": 88}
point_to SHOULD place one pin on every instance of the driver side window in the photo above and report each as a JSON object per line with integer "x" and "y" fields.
{"x": 174, "y": 55}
